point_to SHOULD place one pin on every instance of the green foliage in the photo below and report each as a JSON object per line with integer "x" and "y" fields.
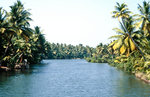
{"x": 103, "y": 54}
{"x": 132, "y": 42}
{"x": 19, "y": 41}
{"x": 63, "y": 51}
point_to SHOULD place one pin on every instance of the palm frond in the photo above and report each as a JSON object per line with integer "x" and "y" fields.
{"x": 116, "y": 36}
{"x": 119, "y": 31}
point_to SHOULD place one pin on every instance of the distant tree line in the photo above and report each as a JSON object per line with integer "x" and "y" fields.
{"x": 63, "y": 51}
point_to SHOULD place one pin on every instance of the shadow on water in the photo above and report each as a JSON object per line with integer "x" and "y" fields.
{"x": 4, "y": 76}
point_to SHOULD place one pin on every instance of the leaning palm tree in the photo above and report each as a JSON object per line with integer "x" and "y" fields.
{"x": 123, "y": 42}
{"x": 122, "y": 13}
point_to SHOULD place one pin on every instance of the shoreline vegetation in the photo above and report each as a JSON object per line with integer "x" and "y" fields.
{"x": 130, "y": 48}
{"x": 22, "y": 46}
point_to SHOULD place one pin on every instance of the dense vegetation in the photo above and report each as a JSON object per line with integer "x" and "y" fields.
{"x": 130, "y": 49}
{"x": 102, "y": 54}
{"x": 132, "y": 43}
{"x": 21, "y": 45}
{"x": 63, "y": 51}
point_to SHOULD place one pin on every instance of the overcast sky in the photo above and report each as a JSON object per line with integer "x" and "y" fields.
{"x": 87, "y": 22}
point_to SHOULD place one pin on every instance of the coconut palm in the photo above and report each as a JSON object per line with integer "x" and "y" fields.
{"x": 41, "y": 38}
{"x": 123, "y": 42}
{"x": 37, "y": 41}
{"x": 18, "y": 19}
{"x": 122, "y": 13}
{"x": 99, "y": 49}
{"x": 144, "y": 17}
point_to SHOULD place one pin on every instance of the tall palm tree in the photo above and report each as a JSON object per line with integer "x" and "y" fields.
{"x": 18, "y": 19}
{"x": 144, "y": 16}
{"x": 122, "y": 13}
{"x": 123, "y": 43}
{"x": 39, "y": 44}
{"x": 41, "y": 37}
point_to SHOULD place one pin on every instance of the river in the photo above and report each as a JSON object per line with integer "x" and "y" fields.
{"x": 71, "y": 78}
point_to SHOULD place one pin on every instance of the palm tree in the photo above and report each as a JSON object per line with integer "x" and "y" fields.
{"x": 18, "y": 19}
{"x": 41, "y": 38}
{"x": 100, "y": 49}
{"x": 38, "y": 44}
{"x": 123, "y": 41}
{"x": 143, "y": 17}
{"x": 122, "y": 13}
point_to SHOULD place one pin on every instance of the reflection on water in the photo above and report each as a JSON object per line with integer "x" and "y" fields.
{"x": 71, "y": 78}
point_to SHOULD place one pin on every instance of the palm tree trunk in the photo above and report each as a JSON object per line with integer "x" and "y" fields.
{"x": 142, "y": 26}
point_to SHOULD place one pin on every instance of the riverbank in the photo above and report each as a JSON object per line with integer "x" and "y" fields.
{"x": 138, "y": 74}
{"x": 142, "y": 76}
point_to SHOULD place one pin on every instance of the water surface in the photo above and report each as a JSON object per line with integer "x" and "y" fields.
{"x": 71, "y": 78}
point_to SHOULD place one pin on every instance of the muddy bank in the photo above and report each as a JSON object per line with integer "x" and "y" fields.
{"x": 143, "y": 77}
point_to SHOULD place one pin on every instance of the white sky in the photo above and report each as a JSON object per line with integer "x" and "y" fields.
{"x": 87, "y": 22}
